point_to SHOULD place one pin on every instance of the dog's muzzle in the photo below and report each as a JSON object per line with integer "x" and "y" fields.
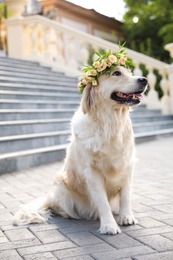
{"x": 131, "y": 99}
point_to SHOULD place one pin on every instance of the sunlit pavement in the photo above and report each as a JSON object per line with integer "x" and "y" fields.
{"x": 150, "y": 239}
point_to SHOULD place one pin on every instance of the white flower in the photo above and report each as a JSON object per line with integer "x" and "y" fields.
{"x": 122, "y": 60}
{"x": 96, "y": 64}
{"x": 108, "y": 63}
{"x": 102, "y": 66}
{"x": 92, "y": 73}
{"x": 84, "y": 82}
{"x": 112, "y": 58}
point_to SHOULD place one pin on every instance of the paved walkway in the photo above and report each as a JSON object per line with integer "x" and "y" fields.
{"x": 151, "y": 239}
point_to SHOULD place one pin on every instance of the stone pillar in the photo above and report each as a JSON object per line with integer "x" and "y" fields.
{"x": 15, "y": 7}
{"x": 169, "y": 47}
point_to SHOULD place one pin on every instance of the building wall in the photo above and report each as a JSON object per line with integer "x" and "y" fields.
{"x": 72, "y": 15}
{"x": 83, "y": 19}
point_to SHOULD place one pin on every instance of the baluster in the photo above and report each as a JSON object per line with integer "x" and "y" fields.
{"x": 46, "y": 40}
{"x": 137, "y": 71}
{"x": 40, "y": 40}
{"x": 60, "y": 49}
{"x": 28, "y": 42}
{"x": 71, "y": 60}
{"x": 84, "y": 55}
{"x": 34, "y": 41}
{"x": 165, "y": 100}
{"x": 152, "y": 97}
{"x": 52, "y": 48}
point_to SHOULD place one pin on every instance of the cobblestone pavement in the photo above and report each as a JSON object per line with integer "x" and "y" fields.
{"x": 151, "y": 239}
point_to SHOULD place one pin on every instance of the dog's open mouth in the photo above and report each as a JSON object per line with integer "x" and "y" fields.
{"x": 127, "y": 99}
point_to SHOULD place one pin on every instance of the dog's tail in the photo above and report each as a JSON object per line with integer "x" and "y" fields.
{"x": 35, "y": 212}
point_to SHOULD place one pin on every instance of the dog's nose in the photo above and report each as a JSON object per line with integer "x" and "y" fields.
{"x": 142, "y": 81}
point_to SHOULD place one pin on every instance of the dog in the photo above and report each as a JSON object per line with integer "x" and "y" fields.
{"x": 95, "y": 181}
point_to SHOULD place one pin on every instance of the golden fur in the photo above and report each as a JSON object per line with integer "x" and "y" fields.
{"x": 95, "y": 181}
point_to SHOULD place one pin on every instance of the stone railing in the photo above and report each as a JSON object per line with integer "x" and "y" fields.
{"x": 65, "y": 49}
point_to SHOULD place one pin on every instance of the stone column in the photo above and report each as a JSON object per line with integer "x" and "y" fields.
{"x": 169, "y": 47}
{"x": 15, "y": 7}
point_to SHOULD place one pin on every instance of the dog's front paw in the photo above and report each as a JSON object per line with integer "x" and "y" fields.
{"x": 126, "y": 220}
{"x": 111, "y": 229}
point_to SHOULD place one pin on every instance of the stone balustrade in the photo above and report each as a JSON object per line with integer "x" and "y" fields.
{"x": 66, "y": 49}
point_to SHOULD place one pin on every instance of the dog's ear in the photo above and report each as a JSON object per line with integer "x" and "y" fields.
{"x": 88, "y": 99}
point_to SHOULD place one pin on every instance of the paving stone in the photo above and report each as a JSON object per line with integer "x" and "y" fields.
{"x": 42, "y": 256}
{"x": 85, "y": 250}
{"x": 157, "y": 242}
{"x": 46, "y": 248}
{"x": 160, "y": 256}
{"x": 19, "y": 244}
{"x": 168, "y": 235}
{"x": 3, "y": 239}
{"x": 50, "y": 236}
{"x": 122, "y": 253}
{"x": 9, "y": 255}
{"x": 84, "y": 238}
{"x": 168, "y": 221}
{"x": 19, "y": 234}
{"x": 150, "y": 231}
{"x": 120, "y": 241}
{"x": 151, "y": 239}
{"x": 149, "y": 222}
{"x": 81, "y": 257}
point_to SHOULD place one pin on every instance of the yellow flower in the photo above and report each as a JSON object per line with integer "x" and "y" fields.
{"x": 102, "y": 66}
{"x": 84, "y": 82}
{"x": 122, "y": 60}
{"x": 96, "y": 64}
{"x": 84, "y": 75}
{"x": 89, "y": 79}
{"x": 108, "y": 63}
{"x": 112, "y": 58}
{"x": 92, "y": 73}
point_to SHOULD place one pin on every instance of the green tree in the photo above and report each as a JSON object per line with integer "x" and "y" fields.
{"x": 153, "y": 29}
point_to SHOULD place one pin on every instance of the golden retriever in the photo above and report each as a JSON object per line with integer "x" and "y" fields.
{"x": 95, "y": 181}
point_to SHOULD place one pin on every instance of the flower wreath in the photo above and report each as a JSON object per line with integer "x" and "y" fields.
{"x": 105, "y": 64}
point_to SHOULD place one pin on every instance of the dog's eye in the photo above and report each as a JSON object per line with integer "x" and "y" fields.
{"x": 116, "y": 73}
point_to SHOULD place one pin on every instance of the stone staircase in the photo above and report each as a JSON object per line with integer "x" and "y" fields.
{"x": 36, "y": 105}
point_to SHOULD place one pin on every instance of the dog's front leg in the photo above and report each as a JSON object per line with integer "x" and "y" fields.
{"x": 125, "y": 213}
{"x": 98, "y": 196}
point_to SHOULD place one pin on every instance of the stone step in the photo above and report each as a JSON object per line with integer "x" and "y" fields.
{"x": 31, "y": 67}
{"x": 27, "y": 95}
{"x": 18, "y": 61}
{"x": 63, "y": 88}
{"x": 31, "y": 114}
{"x": 28, "y": 114}
{"x": 140, "y": 118}
{"x": 36, "y": 104}
{"x": 60, "y": 80}
{"x": 152, "y": 135}
{"x": 145, "y": 113}
{"x": 8, "y": 128}
{"x": 17, "y": 161}
{"x": 29, "y": 76}
{"x": 35, "y": 70}
{"x": 17, "y": 143}
{"x": 152, "y": 126}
